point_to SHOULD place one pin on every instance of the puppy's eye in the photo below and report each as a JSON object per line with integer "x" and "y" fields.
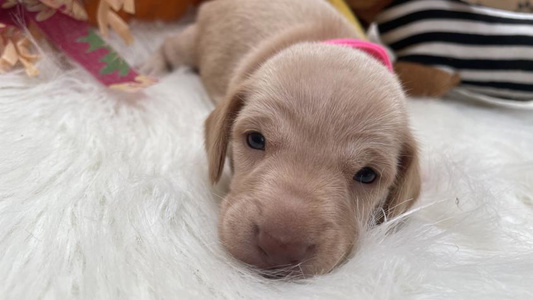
{"x": 365, "y": 175}
{"x": 256, "y": 141}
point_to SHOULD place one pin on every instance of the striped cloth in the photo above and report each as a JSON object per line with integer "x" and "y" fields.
{"x": 491, "y": 49}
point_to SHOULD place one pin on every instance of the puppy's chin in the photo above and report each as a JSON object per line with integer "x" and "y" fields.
{"x": 279, "y": 244}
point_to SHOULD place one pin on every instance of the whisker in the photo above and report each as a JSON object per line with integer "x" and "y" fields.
{"x": 217, "y": 195}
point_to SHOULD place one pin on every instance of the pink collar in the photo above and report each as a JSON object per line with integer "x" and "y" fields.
{"x": 374, "y": 50}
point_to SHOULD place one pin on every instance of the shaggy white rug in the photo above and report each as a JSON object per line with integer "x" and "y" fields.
{"x": 105, "y": 196}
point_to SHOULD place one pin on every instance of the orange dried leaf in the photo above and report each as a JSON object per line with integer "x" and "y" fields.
{"x": 120, "y": 27}
{"x": 10, "y": 53}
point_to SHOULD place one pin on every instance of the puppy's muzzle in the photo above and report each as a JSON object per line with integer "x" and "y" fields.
{"x": 280, "y": 250}
{"x": 282, "y": 234}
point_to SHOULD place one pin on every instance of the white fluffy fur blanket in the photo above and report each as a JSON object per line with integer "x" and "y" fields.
{"x": 105, "y": 196}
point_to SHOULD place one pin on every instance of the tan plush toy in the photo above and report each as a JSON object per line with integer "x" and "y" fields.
{"x": 482, "y": 47}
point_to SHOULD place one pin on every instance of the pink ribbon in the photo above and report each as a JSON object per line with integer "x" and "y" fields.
{"x": 374, "y": 50}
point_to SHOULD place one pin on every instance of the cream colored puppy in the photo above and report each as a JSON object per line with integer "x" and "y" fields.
{"x": 318, "y": 135}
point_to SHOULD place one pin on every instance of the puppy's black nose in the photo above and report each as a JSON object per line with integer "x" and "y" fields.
{"x": 279, "y": 252}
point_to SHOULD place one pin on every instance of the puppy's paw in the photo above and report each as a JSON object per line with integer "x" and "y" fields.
{"x": 155, "y": 66}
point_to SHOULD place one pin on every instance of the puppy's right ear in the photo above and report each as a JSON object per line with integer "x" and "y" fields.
{"x": 218, "y": 131}
{"x": 220, "y": 122}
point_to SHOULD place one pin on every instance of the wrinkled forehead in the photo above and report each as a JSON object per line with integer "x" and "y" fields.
{"x": 329, "y": 87}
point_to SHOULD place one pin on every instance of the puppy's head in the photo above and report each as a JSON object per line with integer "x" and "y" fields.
{"x": 320, "y": 146}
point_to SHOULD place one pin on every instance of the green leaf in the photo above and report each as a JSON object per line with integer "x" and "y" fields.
{"x": 114, "y": 63}
{"x": 94, "y": 40}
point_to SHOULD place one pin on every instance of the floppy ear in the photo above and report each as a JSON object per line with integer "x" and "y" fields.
{"x": 406, "y": 187}
{"x": 218, "y": 131}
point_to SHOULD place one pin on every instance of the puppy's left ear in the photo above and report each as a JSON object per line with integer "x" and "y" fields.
{"x": 406, "y": 188}
{"x": 218, "y": 131}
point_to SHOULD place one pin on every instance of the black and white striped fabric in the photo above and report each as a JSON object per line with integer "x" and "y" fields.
{"x": 491, "y": 49}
